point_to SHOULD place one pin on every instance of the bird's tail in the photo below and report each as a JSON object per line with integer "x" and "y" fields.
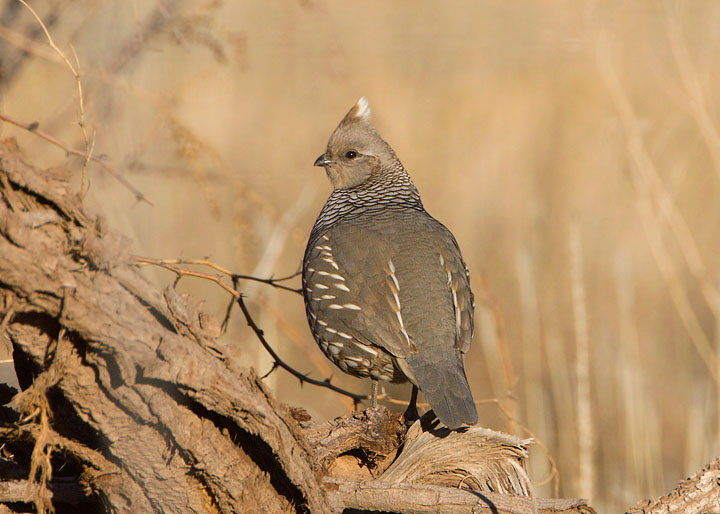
{"x": 446, "y": 389}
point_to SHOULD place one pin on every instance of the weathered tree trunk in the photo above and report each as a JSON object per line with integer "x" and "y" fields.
{"x": 128, "y": 406}
{"x": 123, "y": 384}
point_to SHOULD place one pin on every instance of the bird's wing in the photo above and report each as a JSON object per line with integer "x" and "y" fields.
{"x": 349, "y": 288}
{"x": 391, "y": 284}
{"x": 458, "y": 277}
{"x": 438, "y": 310}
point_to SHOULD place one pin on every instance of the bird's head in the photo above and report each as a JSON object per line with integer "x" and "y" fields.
{"x": 355, "y": 150}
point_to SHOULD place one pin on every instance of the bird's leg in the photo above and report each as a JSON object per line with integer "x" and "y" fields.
{"x": 373, "y": 394}
{"x": 411, "y": 413}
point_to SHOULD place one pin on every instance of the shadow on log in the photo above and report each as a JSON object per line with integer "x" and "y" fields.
{"x": 129, "y": 405}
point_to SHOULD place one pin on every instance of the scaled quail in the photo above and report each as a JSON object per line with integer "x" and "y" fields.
{"x": 386, "y": 290}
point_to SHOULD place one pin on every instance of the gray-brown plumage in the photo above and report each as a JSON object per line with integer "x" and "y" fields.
{"x": 387, "y": 293}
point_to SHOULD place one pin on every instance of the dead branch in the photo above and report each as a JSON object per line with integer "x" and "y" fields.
{"x": 235, "y": 277}
{"x": 75, "y": 70}
{"x": 278, "y": 362}
{"x": 428, "y": 499}
{"x": 33, "y": 128}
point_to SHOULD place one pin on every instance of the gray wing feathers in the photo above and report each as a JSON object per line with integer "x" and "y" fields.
{"x": 365, "y": 262}
{"x": 439, "y": 318}
{"x": 407, "y": 278}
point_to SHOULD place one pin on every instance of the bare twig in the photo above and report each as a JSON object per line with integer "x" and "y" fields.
{"x": 277, "y": 361}
{"x": 171, "y": 265}
{"x": 32, "y": 127}
{"x": 272, "y": 281}
{"x": 74, "y": 69}
{"x": 387, "y": 398}
{"x": 186, "y": 273}
{"x": 235, "y": 277}
{"x": 275, "y": 282}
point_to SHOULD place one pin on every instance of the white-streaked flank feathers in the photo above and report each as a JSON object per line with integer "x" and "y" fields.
{"x": 363, "y": 109}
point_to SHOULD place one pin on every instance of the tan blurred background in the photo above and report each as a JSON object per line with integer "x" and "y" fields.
{"x": 571, "y": 146}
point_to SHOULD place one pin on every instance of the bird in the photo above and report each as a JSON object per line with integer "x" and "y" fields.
{"x": 387, "y": 293}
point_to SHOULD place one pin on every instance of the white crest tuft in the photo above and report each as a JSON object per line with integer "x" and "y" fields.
{"x": 363, "y": 109}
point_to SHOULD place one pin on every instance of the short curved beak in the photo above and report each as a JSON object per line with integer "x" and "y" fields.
{"x": 323, "y": 161}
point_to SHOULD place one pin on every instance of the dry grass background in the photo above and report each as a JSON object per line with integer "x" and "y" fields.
{"x": 572, "y": 147}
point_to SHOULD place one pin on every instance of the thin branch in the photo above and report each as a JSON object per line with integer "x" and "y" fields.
{"x": 89, "y": 146}
{"x": 233, "y": 276}
{"x": 303, "y": 378}
{"x": 185, "y": 273}
{"x": 75, "y": 71}
{"x": 32, "y": 127}
{"x": 226, "y": 321}
{"x": 387, "y": 398}
{"x": 278, "y": 362}
{"x": 49, "y": 37}
{"x": 171, "y": 265}
{"x": 271, "y": 281}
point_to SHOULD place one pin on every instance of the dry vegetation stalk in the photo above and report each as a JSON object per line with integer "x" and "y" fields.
{"x": 586, "y": 468}
{"x": 654, "y": 204}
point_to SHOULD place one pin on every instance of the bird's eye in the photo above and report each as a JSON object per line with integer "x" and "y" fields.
{"x": 351, "y": 154}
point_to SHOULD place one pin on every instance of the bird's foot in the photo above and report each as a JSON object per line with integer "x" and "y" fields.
{"x": 373, "y": 395}
{"x": 411, "y": 414}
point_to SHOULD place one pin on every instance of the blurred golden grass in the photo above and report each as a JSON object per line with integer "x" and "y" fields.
{"x": 572, "y": 147}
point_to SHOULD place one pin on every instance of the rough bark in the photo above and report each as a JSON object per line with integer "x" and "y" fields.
{"x": 360, "y": 446}
{"x": 698, "y": 494}
{"x": 129, "y": 404}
